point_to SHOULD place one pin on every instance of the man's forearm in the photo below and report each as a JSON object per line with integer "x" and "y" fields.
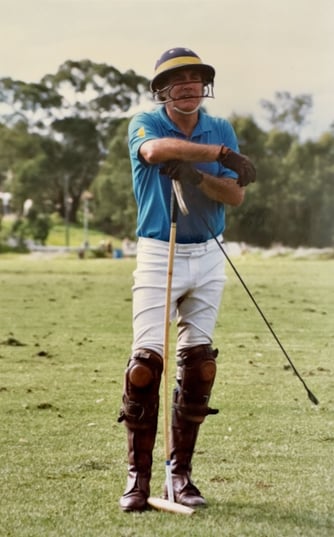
{"x": 164, "y": 149}
{"x": 222, "y": 189}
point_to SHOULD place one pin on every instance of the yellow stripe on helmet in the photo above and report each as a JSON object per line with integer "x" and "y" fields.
{"x": 178, "y": 62}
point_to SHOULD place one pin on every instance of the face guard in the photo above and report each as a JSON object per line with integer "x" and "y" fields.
{"x": 165, "y": 95}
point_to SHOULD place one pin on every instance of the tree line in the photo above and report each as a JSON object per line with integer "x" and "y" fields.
{"x": 67, "y": 135}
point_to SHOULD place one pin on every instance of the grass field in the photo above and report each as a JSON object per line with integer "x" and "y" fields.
{"x": 265, "y": 463}
{"x": 73, "y": 236}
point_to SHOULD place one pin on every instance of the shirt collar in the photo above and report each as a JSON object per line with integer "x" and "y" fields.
{"x": 201, "y": 126}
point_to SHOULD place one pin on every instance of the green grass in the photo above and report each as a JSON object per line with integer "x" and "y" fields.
{"x": 76, "y": 236}
{"x": 264, "y": 463}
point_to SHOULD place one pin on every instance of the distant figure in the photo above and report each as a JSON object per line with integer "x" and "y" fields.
{"x": 27, "y": 205}
{"x": 5, "y": 197}
{"x": 109, "y": 248}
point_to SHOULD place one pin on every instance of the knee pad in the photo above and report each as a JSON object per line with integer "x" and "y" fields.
{"x": 196, "y": 374}
{"x": 141, "y": 389}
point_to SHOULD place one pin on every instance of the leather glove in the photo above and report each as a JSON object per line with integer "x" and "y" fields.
{"x": 181, "y": 170}
{"x": 239, "y": 164}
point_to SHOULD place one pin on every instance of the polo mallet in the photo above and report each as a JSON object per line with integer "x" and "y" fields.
{"x": 159, "y": 503}
{"x": 311, "y": 395}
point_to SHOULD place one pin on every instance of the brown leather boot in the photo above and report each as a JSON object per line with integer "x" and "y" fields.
{"x": 141, "y": 443}
{"x": 184, "y": 435}
{"x": 140, "y": 415}
{"x": 196, "y": 374}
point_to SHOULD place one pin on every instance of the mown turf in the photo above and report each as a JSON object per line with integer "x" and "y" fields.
{"x": 264, "y": 463}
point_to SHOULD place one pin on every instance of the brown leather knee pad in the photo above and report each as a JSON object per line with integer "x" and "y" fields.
{"x": 195, "y": 378}
{"x": 141, "y": 389}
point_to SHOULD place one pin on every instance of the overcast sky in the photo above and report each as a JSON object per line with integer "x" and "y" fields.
{"x": 257, "y": 47}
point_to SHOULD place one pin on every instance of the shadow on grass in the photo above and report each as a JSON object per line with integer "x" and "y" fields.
{"x": 269, "y": 514}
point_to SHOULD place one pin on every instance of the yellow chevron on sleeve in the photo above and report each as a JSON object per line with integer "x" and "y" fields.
{"x": 141, "y": 132}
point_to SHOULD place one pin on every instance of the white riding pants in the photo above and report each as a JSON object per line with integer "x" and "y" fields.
{"x": 197, "y": 286}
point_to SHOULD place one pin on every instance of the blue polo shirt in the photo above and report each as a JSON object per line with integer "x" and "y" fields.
{"x": 152, "y": 190}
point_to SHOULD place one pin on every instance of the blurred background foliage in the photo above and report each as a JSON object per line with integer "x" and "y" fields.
{"x": 66, "y": 136}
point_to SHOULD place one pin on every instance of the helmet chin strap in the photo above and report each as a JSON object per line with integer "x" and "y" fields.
{"x": 187, "y": 113}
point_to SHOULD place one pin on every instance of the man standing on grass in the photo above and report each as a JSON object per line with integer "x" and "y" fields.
{"x": 177, "y": 141}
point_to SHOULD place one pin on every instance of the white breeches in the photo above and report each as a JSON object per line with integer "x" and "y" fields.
{"x": 197, "y": 286}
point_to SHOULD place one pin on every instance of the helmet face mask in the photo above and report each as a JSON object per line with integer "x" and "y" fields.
{"x": 166, "y": 94}
{"x": 169, "y": 64}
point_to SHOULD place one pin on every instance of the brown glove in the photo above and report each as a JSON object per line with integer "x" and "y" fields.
{"x": 181, "y": 170}
{"x": 239, "y": 164}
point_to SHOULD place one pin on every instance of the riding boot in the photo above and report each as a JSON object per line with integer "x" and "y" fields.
{"x": 140, "y": 447}
{"x": 183, "y": 440}
{"x": 196, "y": 374}
{"x": 140, "y": 414}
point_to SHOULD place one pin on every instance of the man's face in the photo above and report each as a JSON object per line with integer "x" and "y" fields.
{"x": 185, "y": 89}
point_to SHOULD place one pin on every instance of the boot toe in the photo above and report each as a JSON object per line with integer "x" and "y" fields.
{"x": 191, "y": 500}
{"x": 136, "y": 493}
{"x": 134, "y": 501}
{"x": 191, "y": 497}
{"x": 185, "y": 492}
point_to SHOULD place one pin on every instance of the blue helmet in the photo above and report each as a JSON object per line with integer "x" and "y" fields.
{"x": 176, "y": 59}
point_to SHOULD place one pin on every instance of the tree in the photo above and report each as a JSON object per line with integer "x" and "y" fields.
{"x": 311, "y": 198}
{"x": 26, "y": 168}
{"x": 292, "y": 201}
{"x": 82, "y": 89}
{"x": 16, "y": 143}
{"x": 254, "y": 221}
{"x": 78, "y": 161}
{"x": 287, "y": 112}
{"x": 79, "y": 108}
{"x": 114, "y": 206}
{"x": 38, "y": 225}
